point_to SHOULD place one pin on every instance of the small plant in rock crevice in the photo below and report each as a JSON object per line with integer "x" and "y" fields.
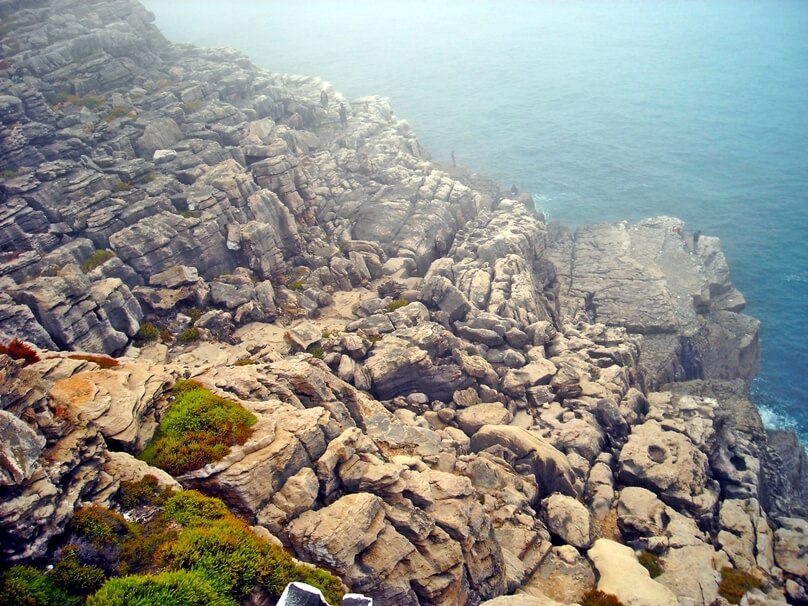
{"x": 735, "y": 583}
{"x": 595, "y": 597}
{"x": 396, "y": 304}
{"x": 97, "y": 259}
{"x": 651, "y": 563}
{"x": 18, "y": 350}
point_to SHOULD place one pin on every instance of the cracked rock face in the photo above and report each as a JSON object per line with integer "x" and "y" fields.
{"x": 495, "y": 395}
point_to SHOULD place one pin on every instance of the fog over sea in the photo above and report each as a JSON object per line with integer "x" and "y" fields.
{"x": 605, "y": 110}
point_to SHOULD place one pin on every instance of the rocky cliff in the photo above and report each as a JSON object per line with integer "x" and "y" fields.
{"x": 455, "y": 401}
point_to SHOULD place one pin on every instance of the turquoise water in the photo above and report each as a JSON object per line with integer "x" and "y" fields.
{"x": 606, "y": 110}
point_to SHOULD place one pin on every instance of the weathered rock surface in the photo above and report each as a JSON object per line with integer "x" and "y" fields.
{"x": 494, "y": 393}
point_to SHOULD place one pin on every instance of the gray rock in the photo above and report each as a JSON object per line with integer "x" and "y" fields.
{"x": 568, "y": 519}
{"x": 20, "y": 447}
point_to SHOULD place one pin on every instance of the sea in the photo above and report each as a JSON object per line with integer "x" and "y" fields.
{"x": 604, "y": 109}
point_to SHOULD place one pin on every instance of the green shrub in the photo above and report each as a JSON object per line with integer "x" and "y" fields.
{"x": 118, "y": 111}
{"x": 316, "y": 351}
{"x": 295, "y": 285}
{"x": 197, "y": 429}
{"x": 75, "y": 578}
{"x": 101, "y": 526}
{"x": 194, "y": 313}
{"x": 97, "y": 259}
{"x": 89, "y": 101}
{"x": 735, "y": 583}
{"x": 188, "y": 335}
{"x": 137, "y": 553}
{"x": 397, "y": 304}
{"x": 188, "y": 214}
{"x": 223, "y": 551}
{"x": 179, "y": 588}
{"x": 244, "y": 362}
{"x": 8, "y": 174}
{"x": 374, "y": 338}
{"x": 25, "y": 585}
{"x": 595, "y": 597}
{"x": 147, "y": 332}
{"x": 123, "y": 186}
{"x": 191, "y": 106}
{"x": 651, "y": 563}
{"x": 234, "y": 559}
{"x": 192, "y": 507}
{"x": 145, "y": 491}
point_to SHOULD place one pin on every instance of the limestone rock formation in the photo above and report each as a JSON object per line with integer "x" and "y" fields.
{"x": 455, "y": 401}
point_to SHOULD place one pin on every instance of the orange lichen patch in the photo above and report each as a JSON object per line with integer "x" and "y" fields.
{"x": 74, "y": 392}
{"x": 102, "y": 361}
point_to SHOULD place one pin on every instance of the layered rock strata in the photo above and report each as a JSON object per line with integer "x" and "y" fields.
{"x": 455, "y": 400}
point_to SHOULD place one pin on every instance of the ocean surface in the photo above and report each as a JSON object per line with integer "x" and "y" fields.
{"x": 605, "y": 110}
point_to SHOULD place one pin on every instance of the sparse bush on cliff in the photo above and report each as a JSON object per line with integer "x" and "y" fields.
{"x": 181, "y": 588}
{"x": 119, "y": 111}
{"x": 122, "y": 186}
{"x": 397, "y": 304}
{"x": 7, "y": 174}
{"x": 735, "y": 583}
{"x": 198, "y": 428}
{"x": 188, "y": 335}
{"x": 191, "y": 106}
{"x": 97, "y": 259}
{"x": 19, "y": 351}
{"x": 595, "y": 597}
{"x": 651, "y": 563}
{"x": 244, "y": 362}
{"x": 147, "y": 332}
{"x": 316, "y": 351}
{"x": 295, "y": 285}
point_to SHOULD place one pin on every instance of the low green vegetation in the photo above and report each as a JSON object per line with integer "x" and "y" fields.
{"x": 735, "y": 583}
{"x": 396, "y": 304}
{"x": 179, "y": 588}
{"x": 188, "y": 335}
{"x": 296, "y": 285}
{"x": 651, "y": 563}
{"x": 147, "y": 332}
{"x": 194, "y": 313}
{"x": 191, "y": 106}
{"x": 316, "y": 351}
{"x": 7, "y": 174}
{"x": 119, "y": 111}
{"x": 31, "y": 587}
{"x": 191, "y": 550}
{"x": 97, "y": 259}
{"x": 595, "y": 597}
{"x": 244, "y": 362}
{"x": 122, "y": 186}
{"x": 141, "y": 493}
{"x": 198, "y": 428}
